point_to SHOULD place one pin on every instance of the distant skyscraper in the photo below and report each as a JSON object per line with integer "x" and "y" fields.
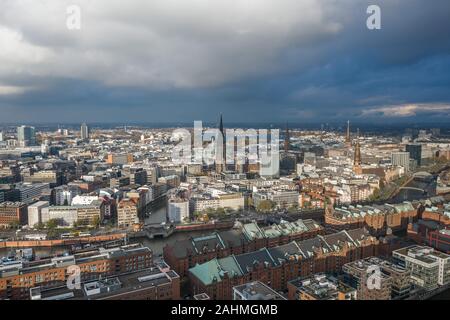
{"x": 415, "y": 152}
{"x": 1, "y": 136}
{"x": 84, "y": 132}
{"x": 26, "y": 136}
{"x": 400, "y": 159}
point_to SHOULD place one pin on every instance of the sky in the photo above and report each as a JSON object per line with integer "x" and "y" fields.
{"x": 303, "y": 61}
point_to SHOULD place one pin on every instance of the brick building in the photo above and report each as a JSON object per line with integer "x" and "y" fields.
{"x": 155, "y": 283}
{"x": 18, "y": 278}
{"x": 377, "y": 218}
{"x": 378, "y": 279}
{"x": 12, "y": 212}
{"x": 278, "y": 265}
{"x": 185, "y": 254}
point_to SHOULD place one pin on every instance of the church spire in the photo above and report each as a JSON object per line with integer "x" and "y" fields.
{"x": 222, "y": 165}
{"x": 347, "y": 138}
{"x": 221, "y": 125}
{"x": 357, "y": 158}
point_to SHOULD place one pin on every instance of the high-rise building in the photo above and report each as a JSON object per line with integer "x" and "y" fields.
{"x": 415, "y": 152}
{"x": 1, "y": 136}
{"x": 429, "y": 268}
{"x": 400, "y": 159}
{"x": 178, "y": 210}
{"x": 26, "y": 136}
{"x": 84, "y": 131}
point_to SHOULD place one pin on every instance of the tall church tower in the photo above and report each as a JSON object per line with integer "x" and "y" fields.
{"x": 357, "y": 156}
{"x": 221, "y": 166}
{"x": 347, "y": 137}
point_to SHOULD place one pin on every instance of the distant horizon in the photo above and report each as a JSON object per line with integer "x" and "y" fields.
{"x": 362, "y": 126}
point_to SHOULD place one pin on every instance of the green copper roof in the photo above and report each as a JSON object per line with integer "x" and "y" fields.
{"x": 215, "y": 270}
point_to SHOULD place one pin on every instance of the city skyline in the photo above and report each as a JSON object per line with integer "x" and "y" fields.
{"x": 302, "y": 61}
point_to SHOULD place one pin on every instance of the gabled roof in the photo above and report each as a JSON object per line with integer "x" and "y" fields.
{"x": 233, "y": 237}
{"x": 216, "y": 269}
{"x": 211, "y": 242}
{"x": 284, "y": 252}
{"x": 237, "y": 265}
{"x": 308, "y": 246}
{"x": 246, "y": 261}
{"x": 337, "y": 240}
{"x": 252, "y": 231}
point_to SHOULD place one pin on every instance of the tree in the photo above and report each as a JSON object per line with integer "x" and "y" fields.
{"x": 39, "y": 226}
{"x": 52, "y": 224}
{"x": 14, "y": 224}
{"x": 375, "y": 195}
{"x": 96, "y": 221}
{"x": 197, "y": 214}
{"x": 265, "y": 206}
{"x": 293, "y": 208}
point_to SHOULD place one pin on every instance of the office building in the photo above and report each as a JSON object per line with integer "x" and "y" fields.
{"x": 84, "y": 132}
{"x": 29, "y": 192}
{"x": 281, "y": 199}
{"x": 52, "y": 177}
{"x": 63, "y": 195}
{"x": 26, "y": 136}
{"x": 415, "y": 153}
{"x": 370, "y": 281}
{"x": 35, "y": 212}
{"x": 429, "y": 268}
{"x": 400, "y": 159}
{"x": 13, "y": 212}
{"x": 178, "y": 210}
{"x": 374, "y": 277}
{"x": 127, "y": 213}
{"x": 64, "y": 215}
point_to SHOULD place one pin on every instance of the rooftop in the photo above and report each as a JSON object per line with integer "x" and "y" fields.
{"x": 257, "y": 290}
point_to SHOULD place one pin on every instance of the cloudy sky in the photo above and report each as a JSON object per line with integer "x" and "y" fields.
{"x": 252, "y": 60}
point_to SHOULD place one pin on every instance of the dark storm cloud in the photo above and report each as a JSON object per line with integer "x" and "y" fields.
{"x": 264, "y": 60}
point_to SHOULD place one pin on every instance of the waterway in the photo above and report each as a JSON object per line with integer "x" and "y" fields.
{"x": 429, "y": 188}
{"x": 157, "y": 245}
